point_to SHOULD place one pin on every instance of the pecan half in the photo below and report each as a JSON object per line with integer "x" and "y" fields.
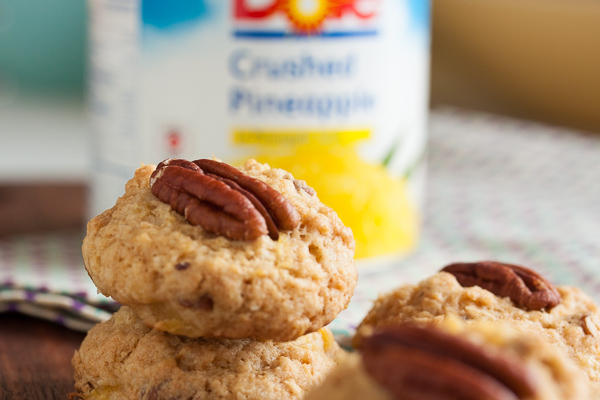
{"x": 424, "y": 363}
{"x": 222, "y": 199}
{"x": 526, "y": 288}
{"x": 271, "y": 227}
{"x": 286, "y": 217}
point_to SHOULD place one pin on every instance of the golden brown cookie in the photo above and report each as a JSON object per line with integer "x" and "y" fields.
{"x": 184, "y": 280}
{"x": 454, "y": 360}
{"x": 571, "y": 325}
{"x": 123, "y": 359}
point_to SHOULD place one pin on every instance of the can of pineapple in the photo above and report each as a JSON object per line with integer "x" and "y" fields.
{"x": 334, "y": 91}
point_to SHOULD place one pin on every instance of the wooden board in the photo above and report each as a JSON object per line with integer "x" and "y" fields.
{"x": 35, "y": 358}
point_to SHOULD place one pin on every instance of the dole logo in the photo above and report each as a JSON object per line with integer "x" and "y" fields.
{"x": 306, "y": 17}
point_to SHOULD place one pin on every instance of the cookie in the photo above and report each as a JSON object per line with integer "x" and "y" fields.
{"x": 124, "y": 359}
{"x": 570, "y": 324}
{"x": 187, "y": 280}
{"x": 455, "y": 360}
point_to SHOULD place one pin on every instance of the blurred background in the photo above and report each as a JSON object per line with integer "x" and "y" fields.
{"x": 44, "y": 132}
{"x": 535, "y": 59}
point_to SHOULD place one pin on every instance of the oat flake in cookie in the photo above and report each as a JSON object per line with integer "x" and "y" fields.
{"x": 186, "y": 279}
{"x": 508, "y": 294}
{"x": 124, "y": 359}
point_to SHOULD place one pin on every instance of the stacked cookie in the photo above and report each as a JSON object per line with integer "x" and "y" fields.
{"x": 227, "y": 279}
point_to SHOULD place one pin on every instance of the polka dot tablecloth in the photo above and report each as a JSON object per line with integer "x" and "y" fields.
{"x": 497, "y": 189}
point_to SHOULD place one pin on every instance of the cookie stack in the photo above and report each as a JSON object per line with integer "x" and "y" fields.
{"x": 227, "y": 279}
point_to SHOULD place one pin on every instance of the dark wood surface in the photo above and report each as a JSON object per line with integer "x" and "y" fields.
{"x": 41, "y": 207}
{"x": 35, "y": 358}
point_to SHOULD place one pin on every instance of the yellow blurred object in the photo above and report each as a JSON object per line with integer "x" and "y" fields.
{"x": 535, "y": 59}
{"x": 365, "y": 196}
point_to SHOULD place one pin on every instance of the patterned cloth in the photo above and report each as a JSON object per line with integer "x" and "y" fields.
{"x": 42, "y": 275}
{"x": 498, "y": 188}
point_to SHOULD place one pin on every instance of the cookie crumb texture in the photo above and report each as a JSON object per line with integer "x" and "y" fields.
{"x": 180, "y": 279}
{"x": 441, "y": 295}
{"x": 123, "y": 359}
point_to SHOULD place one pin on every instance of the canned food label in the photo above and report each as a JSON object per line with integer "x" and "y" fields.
{"x": 335, "y": 91}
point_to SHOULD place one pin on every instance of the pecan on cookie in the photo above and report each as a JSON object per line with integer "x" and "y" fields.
{"x": 222, "y": 199}
{"x": 526, "y": 288}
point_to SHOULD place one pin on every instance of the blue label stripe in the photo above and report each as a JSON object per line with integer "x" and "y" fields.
{"x": 252, "y": 34}
{"x": 163, "y": 14}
